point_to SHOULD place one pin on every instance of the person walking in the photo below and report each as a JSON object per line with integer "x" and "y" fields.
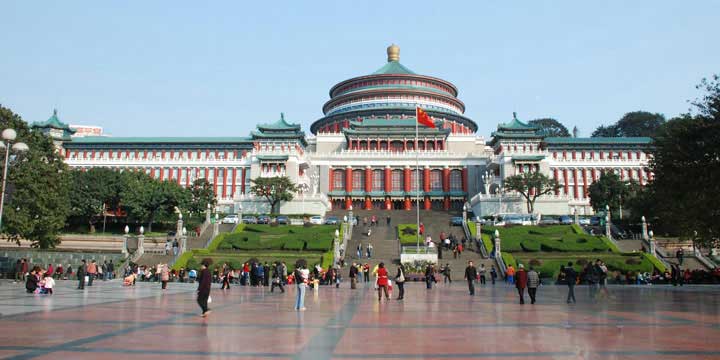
{"x": 571, "y": 277}
{"x": 510, "y": 273}
{"x": 359, "y": 250}
{"x": 164, "y": 276}
{"x": 302, "y": 274}
{"x": 175, "y": 247}
{"x": 493, "y": 274}
{"x": 446, "y": 274}
{"x": 366, "y": 272}
{"x": 369, "y": 250}
{"x": 204, "y": 284}
{"x": 387, "y": 220}
{"x": 482, "y": 271}
{"x": 533, "y": 281}
{"x": 277, "y": 278}
{"x": 470, "y": 276}
{"x": 382, "y": 281}
{"x": 680, "y": 255}
{"x": 353, "y": 275}
{"x": 91, "y": 272}
{"x": 429, "y": 276}
{"x": 400, "y": 281}
{"x": 521, "y": 282}
{"x": 81, "y": 271}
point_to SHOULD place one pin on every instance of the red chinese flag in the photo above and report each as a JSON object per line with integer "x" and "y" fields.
{"x": 423, "y": 118}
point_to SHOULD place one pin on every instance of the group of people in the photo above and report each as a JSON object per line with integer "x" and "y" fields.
{"x": 39, "y": 281}
{"x": 368, "y": 250}
{"x": 104, "y": 271}
{"x": 451, "y": 243}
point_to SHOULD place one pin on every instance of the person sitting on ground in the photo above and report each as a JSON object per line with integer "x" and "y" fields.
{"x": 31, "y": 281}
{"x": 48, "y": 283}
{"x": 129, "y": 280}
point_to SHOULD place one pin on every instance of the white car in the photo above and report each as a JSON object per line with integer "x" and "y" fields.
{"x": 230, "y": 219}
{"x": 316, "y": 220}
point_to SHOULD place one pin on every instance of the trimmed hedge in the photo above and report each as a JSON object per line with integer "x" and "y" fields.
{"x": 550, "y": 266}
{"x": 560, "y": 238}
{"x": 407, "y": 238}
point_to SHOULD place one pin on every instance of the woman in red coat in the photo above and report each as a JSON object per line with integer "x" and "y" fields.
{"x": 521, "y": 280}
{"x": 382, "y": 281}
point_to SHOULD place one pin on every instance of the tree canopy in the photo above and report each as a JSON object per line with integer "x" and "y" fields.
{"x": 202, "y": 195}
{"x": 686, "y": 164}
{"x": 550, "y": 127}
{"x": 531, "y": 185}
{"x": 37, "y": 203}
{"x": 610, "y": 190}
{"x": 146, "y": 199}
{"x": 274, "y": 190}
{"x": 632, "y": 124}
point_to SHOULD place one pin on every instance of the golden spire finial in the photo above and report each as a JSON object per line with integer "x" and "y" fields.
{"x": 393, "y": 53}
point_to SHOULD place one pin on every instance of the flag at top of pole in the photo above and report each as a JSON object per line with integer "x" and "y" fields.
{"x": 424, "y": 118}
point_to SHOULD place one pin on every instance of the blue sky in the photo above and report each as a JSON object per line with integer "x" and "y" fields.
{"x": 182, "y": 68}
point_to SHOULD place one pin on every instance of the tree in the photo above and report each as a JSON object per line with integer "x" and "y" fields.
{"x": 93, "y": 192}
{"x": 609, "y": 190}
{"x": 686, "y": 165}
{"x": 531, "y": 185}
{"x": 632, "y": 124}
{"x": 274, "y": 190}
{"x": 550, "y": 127}
{"x": 38, "y": 198}
{"x": 146, "y": 199}
{"x": 201, "y": 194}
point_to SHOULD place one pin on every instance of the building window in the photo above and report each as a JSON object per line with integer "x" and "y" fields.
{"x": 397, "y": 180}
{"x": 338, "y": 180}
{"x": 435, "y": 180}
{"x": 358, "y": 180}
{"x": 456, "y": 180}
{"x": 378, "y": 180}
{"x": 415, "y": 181}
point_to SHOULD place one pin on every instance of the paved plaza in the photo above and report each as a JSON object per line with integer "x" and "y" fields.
{"x": 108, "y": 321}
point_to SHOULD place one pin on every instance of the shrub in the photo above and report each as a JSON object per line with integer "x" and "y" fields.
{"x": 535, "y": 262}
{"x": 294, "y": 244}
{"x": 530, "y": 245}
{"x": 633, "y": 261}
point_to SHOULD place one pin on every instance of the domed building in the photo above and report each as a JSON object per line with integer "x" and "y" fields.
{"x": 367, "y": 151}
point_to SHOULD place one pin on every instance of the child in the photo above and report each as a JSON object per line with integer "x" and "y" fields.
{"x": 48, "y": 283}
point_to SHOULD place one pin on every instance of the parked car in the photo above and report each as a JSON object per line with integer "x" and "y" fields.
{"x": 263, "y": 219}
{"x": 549, "y": 220}
{"x": 516, "y": 219}
{"x": 282, "y": 220}
{"x": 595, "y": 221}
{"x": 584, "y": 221}
{"x": 456, "y": 221}
{"x": 566, "y": 220}
{"x": 332, "y": 220}
{"x": 230, "y": 219}
{"x": 316, "y": 220}
{"x": 249, "y": 220}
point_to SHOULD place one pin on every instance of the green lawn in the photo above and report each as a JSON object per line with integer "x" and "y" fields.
{"x": 283, "y": 237}
{"x": 560, "y": 238}
{"x": 407, "y": 233}
{"x": 548, "y": 264}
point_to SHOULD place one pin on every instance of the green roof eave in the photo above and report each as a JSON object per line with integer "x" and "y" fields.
{"x": 516, "y": 124}
{"x": 393, "y": 67}
{"x": 528, "y": 157}
{"x": 54, "y": 123}
{"x": 159, "y": 140}
{"x": 272, "y": 157}
{"x": 526, "y": 135}
{"x": 279, "y": 125}
{"x": 598, "y": 140}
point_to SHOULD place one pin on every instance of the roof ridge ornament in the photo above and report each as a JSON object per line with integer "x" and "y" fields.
{"x": 55, "y": 112}
{"x": 393, "y": 53}
{"x": 282, "y": 116}
{"x": 514, "y": 115}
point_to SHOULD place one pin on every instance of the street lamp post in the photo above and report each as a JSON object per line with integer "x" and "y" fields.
{"x": 486, "y": 181}
{"x": 8, "y": 137}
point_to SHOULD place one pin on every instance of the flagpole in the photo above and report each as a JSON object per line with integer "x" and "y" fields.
{"x": 417, "y": 180}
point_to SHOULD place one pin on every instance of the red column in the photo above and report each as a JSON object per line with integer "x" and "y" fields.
{"x": 388, "y": 205}
{"x": 348, "y": 179}
{"x": 215, "y": 180}
{"x": 555, "y": 172}
{"x": 565, "y": 179}
{"x": 640, "y": 176}
{"x": 408, "y": 204}
{"x": 348, "y": 202}
{"x": 162, "y": 173}
{"x": 388, "y": 180}
{"x": 224, "y": 183}
{"x": 170, "y": 174}
{"x": 368, "y": 203}
{"x": 593, "y": 174}
{"x": 446, "y": 179}
{"x": 368, "y": 181}
{"x": 152, "y": 173}
{"x": 331, "y": 178}
{"x": 406, "y": 179}
{"x": 584, "y": 181}
{"x": 464, "y": 178}
{"x": 187, "y": 177}
{"x": 575, "y": 183}
{"x": 446, "y": 203}
{"x": 179, "y": 175}
{"x": 426, "y": 202}
{"x": 426, "y": 180}
{"x": 242, "y": 186}
{"x": 234, "y": 176}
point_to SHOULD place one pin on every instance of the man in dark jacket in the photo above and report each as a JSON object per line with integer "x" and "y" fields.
{"x": 571, "y": 277}
{"x": 81, "y": 271}
{"x": 470, "y": 276}
{"x": 353, "y": 275}
{"x": 204, "y": 283}
{"x": 521, "y": 280}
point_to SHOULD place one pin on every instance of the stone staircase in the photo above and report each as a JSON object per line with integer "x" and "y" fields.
{"x": 194, "y": 242}
{"x": 386, "y": 245}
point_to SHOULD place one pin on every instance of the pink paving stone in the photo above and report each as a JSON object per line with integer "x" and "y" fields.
{"x": 210, "y": 339}
{"x": 100, "y": 355}
{"x": 40, "y": 334}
